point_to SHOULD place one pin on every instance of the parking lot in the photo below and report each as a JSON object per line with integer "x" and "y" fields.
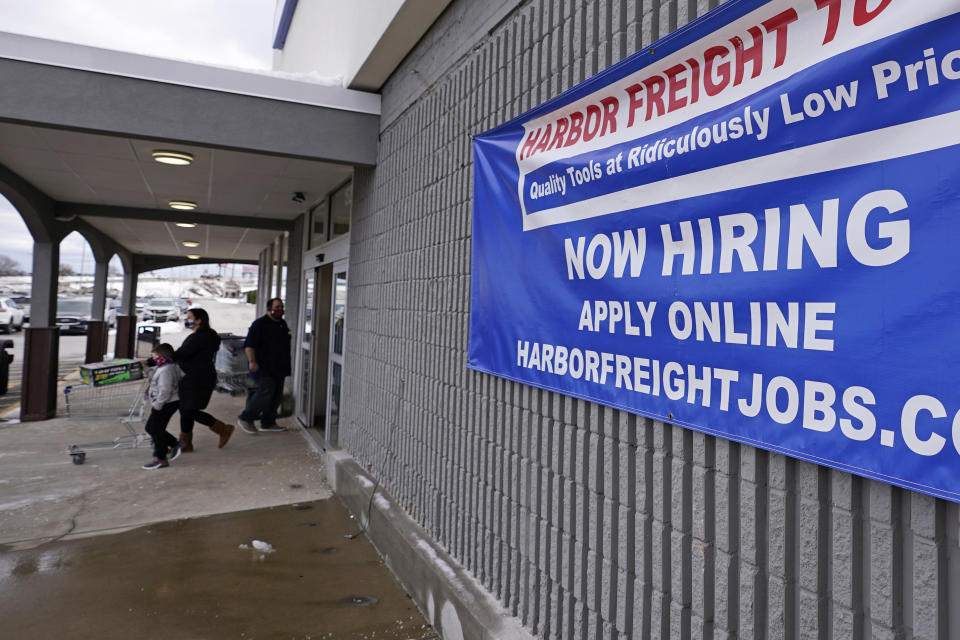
{"x": 225, "y": 317}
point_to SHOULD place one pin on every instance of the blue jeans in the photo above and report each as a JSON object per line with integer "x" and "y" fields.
{"x": 263, "y": 403}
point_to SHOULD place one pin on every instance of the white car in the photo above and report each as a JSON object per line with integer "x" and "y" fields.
{"x": 11, "y": 316}
{"x": 161, "y": 310}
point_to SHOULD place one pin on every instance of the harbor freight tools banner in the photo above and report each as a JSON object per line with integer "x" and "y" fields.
{"x": 750, "y": 228}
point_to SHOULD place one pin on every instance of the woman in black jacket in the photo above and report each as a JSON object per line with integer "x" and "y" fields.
{"x": 195, "y": 356}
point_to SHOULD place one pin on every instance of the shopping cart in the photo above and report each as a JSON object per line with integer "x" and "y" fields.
{"x": 236, "y": 384}
{"x": 124, "y": 402}
{"x": 232, "y": 366}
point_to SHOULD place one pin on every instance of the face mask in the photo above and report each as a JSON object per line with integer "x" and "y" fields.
{"x": 276, "y": 313}
{"x": 188, "y": 323}
{"x": 160, "y": 360}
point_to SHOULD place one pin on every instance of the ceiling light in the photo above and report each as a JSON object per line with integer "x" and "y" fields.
{"x": 191, "y": 243}
{"x": 187, "y": 225}
{"x": 193, "y": 256}
{"x": 183, "y": 205}
{"x": 177, "y": 158}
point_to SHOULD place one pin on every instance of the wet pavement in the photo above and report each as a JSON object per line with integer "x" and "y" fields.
{"x": 204, "y": 578}
{"x": 107, "y": 550}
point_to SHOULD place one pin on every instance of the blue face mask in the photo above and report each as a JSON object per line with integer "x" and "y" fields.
{"x": 188, "y": 323}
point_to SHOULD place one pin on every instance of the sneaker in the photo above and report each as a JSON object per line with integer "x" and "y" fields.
{"x": 247, "y": 426}
{"x": 156, "y": 463}
{"x": 272, "y": 428}
{"x": 175, "y": 452}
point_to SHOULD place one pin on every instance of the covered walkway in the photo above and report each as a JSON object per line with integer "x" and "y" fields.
{"x": 86, "y": 144}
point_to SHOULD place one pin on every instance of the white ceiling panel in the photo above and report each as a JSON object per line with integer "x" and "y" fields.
{"x": 34, "y": 157}
{"x": 22, "y": 135}
{"x": 88, "y": 144}
{"x": 86, "y": 168}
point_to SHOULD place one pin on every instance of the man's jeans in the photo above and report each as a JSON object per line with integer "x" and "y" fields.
{"x": 265, "y": 401}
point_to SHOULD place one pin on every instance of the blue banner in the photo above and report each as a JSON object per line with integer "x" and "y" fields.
{"x": 747, "y": 229}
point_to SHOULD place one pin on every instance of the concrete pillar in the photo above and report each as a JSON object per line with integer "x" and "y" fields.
{"x": 128, "y": 299}
{"x": 127, "y": 317}
{"x": 41, "y": 350}
{"x": 41, "y": 353}
{"x": 281, "y": 246}
{"x": 100, "y": 290}
{"x": 97, "y": 339}
{"x": 294, "y": 275}
{"x": 46, "y": 271}
{"x": 97, "y": 327}
{"x": 268, "y": 280}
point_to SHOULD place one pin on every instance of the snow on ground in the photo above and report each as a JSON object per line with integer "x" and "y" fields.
{"x": 147, "y": 286}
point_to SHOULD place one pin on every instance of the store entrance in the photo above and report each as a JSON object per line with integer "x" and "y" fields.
{"x": 323, "y": 335}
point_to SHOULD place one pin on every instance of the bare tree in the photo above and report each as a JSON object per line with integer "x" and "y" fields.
{"x": 67, "y": 270}
{"x": 9, "y": 267}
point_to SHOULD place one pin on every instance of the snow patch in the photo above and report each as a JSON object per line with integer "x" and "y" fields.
{"x": 366, "y": 484}
{"x": 262, "y": 546}
{"x": 439, "y": 562}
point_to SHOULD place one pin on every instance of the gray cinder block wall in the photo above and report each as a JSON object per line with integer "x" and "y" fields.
{"x": 584, "y": 521}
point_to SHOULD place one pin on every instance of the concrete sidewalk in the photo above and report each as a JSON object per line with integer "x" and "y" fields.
{"x": 110, "y": 550}
{"x": 43, "y": 495}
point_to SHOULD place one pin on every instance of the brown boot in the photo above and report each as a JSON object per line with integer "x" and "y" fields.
{"x": 223, "y": 430}
{"x": 186, "y": 440}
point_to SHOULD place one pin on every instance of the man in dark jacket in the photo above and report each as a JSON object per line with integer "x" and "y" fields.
{"x": 268, "y": 352}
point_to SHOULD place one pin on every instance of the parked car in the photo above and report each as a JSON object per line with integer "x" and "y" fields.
{"x": 24, "y": 303}
{"x": 161, "y": 310}
{"x": 11, "y": 316}
{"x": 73, "y": 315}
{"x": 141, "y": 304}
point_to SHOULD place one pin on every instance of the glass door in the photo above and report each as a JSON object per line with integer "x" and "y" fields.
{"x": 338, "y": 318}
{"x": 305, "y": 397}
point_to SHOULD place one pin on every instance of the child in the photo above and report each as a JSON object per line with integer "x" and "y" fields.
{"x": 164, "y": 402}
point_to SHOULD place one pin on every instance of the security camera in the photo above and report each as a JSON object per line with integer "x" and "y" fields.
{"x": 298, "y": 196}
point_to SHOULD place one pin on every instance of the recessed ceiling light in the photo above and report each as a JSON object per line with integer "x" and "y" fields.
{"x": 183, "y": 205}
{"x": 187, "y": 225}
{"x": 178, "y": 158}
{"x": 193, "y": 256}
{"x": 191, "y": 243}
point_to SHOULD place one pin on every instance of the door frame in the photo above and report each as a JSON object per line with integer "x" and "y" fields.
{"x": 340, "y": 266}
{"x": 314, "y": 259}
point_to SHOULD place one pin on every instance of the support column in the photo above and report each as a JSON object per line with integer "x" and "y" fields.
{"x": 294, "y": 275}
{"x": 127, "y": 318}
{"x": 268, "y": 281}
{"x": 97, "y": 329}
{"x": 278, "y": 288}
{"x": 97, "y": 339}
{"x": 260, "y": 276}
{"x": 41, "y": 345}
{"x": 100, "y": 290}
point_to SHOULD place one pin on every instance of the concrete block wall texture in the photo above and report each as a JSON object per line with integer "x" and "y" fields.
{"x": 584, "y": 521}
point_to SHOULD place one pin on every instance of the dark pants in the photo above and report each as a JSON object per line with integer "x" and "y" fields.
{"x": 195, "y": 392}
{"x": 265, "y": 401}
{"x": 189, "y": 416}
{"x": 157, "y": 428}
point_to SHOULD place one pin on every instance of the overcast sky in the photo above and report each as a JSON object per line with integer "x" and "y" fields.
{"x": 236, "y": 33}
